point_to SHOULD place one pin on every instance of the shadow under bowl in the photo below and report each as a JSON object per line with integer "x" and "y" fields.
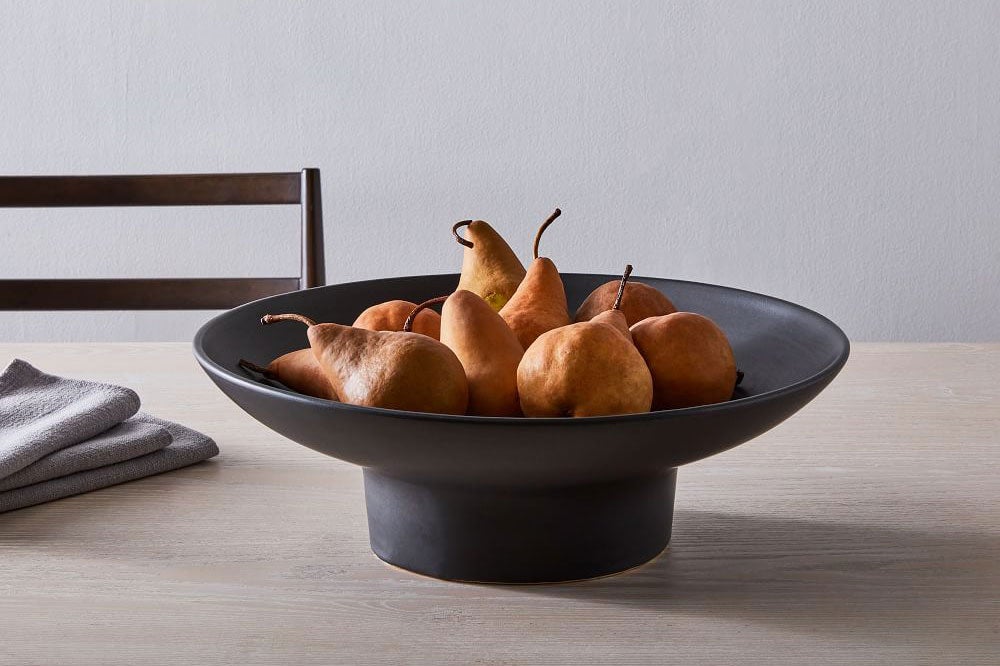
{"x": 518, "y": 500}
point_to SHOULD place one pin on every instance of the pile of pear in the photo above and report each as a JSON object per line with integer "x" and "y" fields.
{"x": 506, "y": 345}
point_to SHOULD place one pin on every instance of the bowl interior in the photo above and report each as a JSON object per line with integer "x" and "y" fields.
{"x": 776, "y": 343}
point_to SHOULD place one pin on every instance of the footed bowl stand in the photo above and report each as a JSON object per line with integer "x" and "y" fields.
{"x": 519, "y": 535}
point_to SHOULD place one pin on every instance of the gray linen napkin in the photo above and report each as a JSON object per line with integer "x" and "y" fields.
{"x": 41, "y": 414}
{"x": 187, "y": 447}
{"x": 129, "y": 440}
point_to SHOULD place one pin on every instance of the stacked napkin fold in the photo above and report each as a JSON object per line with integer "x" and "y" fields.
{"x": 62, "y": 437}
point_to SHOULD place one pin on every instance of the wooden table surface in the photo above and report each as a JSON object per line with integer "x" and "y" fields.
{"x": 864, "y": 529}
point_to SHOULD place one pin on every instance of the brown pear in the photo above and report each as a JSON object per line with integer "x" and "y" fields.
{"x": 389, "y": 369}
{"x": 689, "y": 358}
{"x": 489, "y": 267}
{"x": 539, "y": 304}
{"x": 488, "y": 350}
{"x": 389, "y": 316}
{"x": 588, "y": 368}
{"x": 641, "y": 301}
{"x": 298, "y": 370}
{"x": 614, "y": 316}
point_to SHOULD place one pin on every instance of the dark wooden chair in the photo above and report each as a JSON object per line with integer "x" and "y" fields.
{"x": 231, "y": 189}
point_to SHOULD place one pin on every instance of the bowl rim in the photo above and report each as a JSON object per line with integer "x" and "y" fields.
{"x": 217, "y": 370}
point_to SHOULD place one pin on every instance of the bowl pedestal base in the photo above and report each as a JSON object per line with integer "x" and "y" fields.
{"x": 519, "y": 534}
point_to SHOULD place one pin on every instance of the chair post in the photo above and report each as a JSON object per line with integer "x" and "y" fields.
{"x": 313, "y": 270}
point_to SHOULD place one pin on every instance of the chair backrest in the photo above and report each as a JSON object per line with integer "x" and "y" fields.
{"x": 230, "y": 189}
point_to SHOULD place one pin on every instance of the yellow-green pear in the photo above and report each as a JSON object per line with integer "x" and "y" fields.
{"x": 489, "y": 267}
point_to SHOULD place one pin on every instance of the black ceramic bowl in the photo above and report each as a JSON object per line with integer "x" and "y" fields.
{"x": 519, "y": 500}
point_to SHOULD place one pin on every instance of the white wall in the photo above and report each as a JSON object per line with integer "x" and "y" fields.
{"x": 845, "y": 155}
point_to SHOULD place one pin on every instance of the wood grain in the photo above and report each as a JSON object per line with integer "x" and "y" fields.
{"x": 863, "y": 530}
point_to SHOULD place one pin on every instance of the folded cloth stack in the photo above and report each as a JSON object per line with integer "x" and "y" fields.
{"x": 61, "y": 437}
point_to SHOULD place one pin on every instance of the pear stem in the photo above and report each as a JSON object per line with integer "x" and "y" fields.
{"x": 408, "y": 324}
{"x": 249, "y": 365}
{"x": 545, "y": 225}
{"x": 454, "y": 232}
{"x": 270, "y": 319}
{"x": 621, "y": 287}
{"x": 739, "y": 377}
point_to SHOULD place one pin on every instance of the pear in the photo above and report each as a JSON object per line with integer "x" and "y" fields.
{"x": 539, "y": 304}
{"x": 641, "y": 301}
{"x": 389, "y": 369}
{"x": 689, "y": 358}
{"x": 614, "y": 316}
{"x": 298, "y": 370}
{"x": 489, "y": 267}
{"x": 389, "y": 316}
{"x": 589, "y": 368}
{"x": 488, "y": 350}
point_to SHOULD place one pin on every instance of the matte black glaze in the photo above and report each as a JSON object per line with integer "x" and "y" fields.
{"x": 517, "y": 534}
{"x": 444, "y": 492}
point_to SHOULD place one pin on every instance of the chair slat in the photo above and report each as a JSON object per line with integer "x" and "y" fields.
{"x": 140, "y": 294}
{"x": 229, "y": 189}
